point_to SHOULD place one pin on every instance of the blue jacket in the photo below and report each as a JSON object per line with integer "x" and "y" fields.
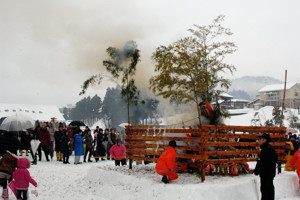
{"x": 78, "y": 145}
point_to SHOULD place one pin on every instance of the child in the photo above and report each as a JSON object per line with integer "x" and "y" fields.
{"x": 8, "y": 164}
{"x": 22, "y": 178}
{"x": 118, "y": 152}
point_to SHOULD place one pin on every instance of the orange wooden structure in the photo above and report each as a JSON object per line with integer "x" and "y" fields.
{"x": 209, "y": 144}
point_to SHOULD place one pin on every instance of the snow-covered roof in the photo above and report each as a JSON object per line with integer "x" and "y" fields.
{"x": 277, "y": 87}
{"x": 225, "y": 95}
{"x": 240, "y": 100}
{"x": 37, "y": 112}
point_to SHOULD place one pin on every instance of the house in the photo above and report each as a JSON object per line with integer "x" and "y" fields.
{"x": 272, "y": 95}
{"x": 37, "y": 112}
{"x": 227, "y": 101}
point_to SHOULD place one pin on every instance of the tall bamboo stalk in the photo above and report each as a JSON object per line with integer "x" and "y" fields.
{"x": 283, "y": 98}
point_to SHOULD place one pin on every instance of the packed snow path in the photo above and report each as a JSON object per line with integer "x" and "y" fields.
{"x": 102, "y": 180}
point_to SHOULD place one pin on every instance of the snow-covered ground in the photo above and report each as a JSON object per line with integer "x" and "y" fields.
{"x": 102, "y": 180}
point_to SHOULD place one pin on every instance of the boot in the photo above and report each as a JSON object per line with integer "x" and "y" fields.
{"x": 5, "y": 194}
{"x": 21, "y": 152}
{"x": 57, "y": 156}
{"x": 61, "y": 156}
{"x": 165, "y": 179}
{"x": 27, "y": 153}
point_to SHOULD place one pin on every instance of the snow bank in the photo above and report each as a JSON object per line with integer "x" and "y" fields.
{"x": 102, "y": 180}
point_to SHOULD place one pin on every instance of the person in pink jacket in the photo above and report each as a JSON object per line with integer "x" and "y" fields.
{"x": 22, "y": 178}
{"x": 118, "y": 152}
{"x": 296, "y": 160}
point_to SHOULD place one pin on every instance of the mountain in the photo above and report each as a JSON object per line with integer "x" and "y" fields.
{"x": 250, "y": 85}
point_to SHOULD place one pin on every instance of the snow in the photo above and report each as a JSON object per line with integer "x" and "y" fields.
{"x": 276, "y": 87}
{"x": 37, "y": 112}
{"x": 102, "y": 180}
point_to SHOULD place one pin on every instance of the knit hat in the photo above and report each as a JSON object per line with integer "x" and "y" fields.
{"x": 266, "y": 136}
{"x": 172, "y": 143}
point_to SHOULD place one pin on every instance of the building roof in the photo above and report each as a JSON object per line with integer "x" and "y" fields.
{"x": 225, "y": 95}
{"x": 37, "y": 112}
{"x": 277, "y": 87}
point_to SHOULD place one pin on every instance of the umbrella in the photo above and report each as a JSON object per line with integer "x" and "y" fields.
{"x": 77, "y": 123}
{"x": 34, "y": 145}
{"x": 123, "y": 125}
{"x": 17, "y": 122}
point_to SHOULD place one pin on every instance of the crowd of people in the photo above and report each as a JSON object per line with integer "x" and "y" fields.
{"x": 65, "y": 140}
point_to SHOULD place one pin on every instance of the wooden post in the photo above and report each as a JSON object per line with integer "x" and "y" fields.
{"x": 283, "y": 98}
{"x": 130, "y": 163}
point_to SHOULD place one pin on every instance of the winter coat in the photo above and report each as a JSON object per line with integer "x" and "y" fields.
{"x": 65, "y": 139}
{"x": 25, "y": 141}
{"x": 45, "y": 137}
{"x": 88, "y": 141}
{"x": 295, "y": 160}
{"x": 101, "y": 143}
{"x": 266, "y": 164}
{"x": 35, "y": 133}
{"x": 78, "y": 145}
{"x": 22, "y": 176}
{"x": 8, "y": 163}
{"x": 58, "y": 138}
{"x": 288, "y": 157}
{"x": 166, "y": 161}
{"x": 118, "y": 152}
{"x": 9, "y": 142}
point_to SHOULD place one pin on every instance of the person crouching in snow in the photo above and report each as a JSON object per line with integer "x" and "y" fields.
{"x": 118, "y": 152}
{"x": 8, "y": 164}
{"x": 166, "y": 163}
{"x": 296, "y": 160}
{"x": 22, "y": 178}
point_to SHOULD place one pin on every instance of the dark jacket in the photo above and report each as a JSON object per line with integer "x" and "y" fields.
{"x": 64, "y": 144}
{"x": 25, "y": 140}
{"x": 266, "y": 164}
{"x": 88, "y": 141}
{"x": 58, "y": 138}
{"x": 9, "y": 142}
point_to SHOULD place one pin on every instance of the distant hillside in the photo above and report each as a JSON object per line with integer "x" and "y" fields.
{"x": 250, "y": 85}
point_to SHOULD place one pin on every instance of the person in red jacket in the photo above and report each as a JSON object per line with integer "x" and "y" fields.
{"x": 296, "y": 160}
{"x": 166, "y": 163}
{"x": 45, "y": 142}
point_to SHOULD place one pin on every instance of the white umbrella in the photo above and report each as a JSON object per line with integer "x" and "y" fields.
{"x": 123, "y": 125}
{"x": 34, "y": 145}
{"x": 17, "y": 122}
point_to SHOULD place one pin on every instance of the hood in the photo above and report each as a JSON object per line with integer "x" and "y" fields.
{"x": 291, "y": 144}
{"x": 23, "y": 163}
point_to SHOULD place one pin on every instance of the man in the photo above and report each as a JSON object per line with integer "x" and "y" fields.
{"x": 166, "y": 163}
{"x": 58, "y": 138}
{"x": 45, "y": 142}
{"x": 266, "y": 167}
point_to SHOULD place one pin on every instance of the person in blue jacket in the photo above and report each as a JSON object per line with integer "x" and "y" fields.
{"x": 78, "y": 147}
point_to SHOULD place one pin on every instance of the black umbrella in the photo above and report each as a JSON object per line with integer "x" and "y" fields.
{"x": 77, "y": 123}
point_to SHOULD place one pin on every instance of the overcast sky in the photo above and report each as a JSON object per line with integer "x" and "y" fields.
{"x": 48, "y": 48}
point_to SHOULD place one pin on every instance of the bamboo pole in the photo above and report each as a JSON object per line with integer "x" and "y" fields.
{"x": 283, "y": 98}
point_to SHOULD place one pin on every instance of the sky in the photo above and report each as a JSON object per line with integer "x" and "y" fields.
{"x": 49, "y": 48}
